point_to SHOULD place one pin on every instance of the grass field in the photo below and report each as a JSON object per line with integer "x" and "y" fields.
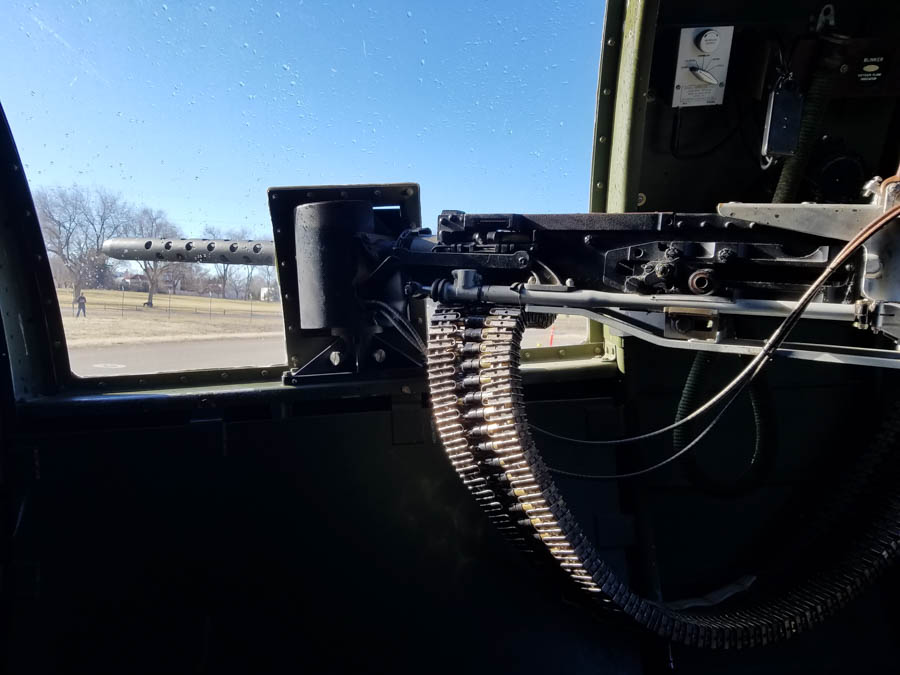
{"x": 119, "y": 317}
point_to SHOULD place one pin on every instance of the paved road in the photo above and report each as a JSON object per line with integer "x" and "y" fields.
{"x": 138, "y": 359}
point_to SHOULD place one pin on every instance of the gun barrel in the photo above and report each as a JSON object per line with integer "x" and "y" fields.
{"x": 192, "y": 250}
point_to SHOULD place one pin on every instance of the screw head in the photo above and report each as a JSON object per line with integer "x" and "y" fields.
{"x": 406, "y": 389}
{"x": 335, "y": 357}
{"x": 522, "y": 258}
{"x": 844, "y": 68}
{"x": 379, "y": 355}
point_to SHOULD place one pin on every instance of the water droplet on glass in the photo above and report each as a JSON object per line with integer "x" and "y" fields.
{"x": 165, "y": 8}
{"x": 277, "y": 15}
{"x": 409, "y": 14}
{"x": 212, "y": 8}
{"x": 285, "y": 67}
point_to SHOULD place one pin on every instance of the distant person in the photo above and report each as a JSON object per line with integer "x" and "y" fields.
{"x": 82, "y": 304}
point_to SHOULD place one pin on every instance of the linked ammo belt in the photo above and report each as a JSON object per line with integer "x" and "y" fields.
{"x": 479, "y": 414}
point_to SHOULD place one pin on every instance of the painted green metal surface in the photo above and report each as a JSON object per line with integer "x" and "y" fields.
{"x": 618, "y": 134}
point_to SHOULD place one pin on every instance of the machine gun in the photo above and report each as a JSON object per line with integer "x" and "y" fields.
{"x": 355, "y": 267}
{"x": 350, "y": 266}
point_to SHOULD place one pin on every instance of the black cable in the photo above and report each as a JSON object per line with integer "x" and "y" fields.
{"x": 655, "y": 467}
{"x": 676, "y": 133}
{"x": 755, "y": 367}
{"x": 768, "y": 349}
{"x": 762, "y": 459}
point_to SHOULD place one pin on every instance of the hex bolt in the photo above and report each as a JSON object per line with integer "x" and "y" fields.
{"x": 335, "y": 357}
{"x": 406, "y": 389}
{"x": 379, "y": 355}
{"x": 649, "y": 268}
{"x": 522, "y": 258}
{"x": 664, "y": 270}
{"x": 589, "y": 239}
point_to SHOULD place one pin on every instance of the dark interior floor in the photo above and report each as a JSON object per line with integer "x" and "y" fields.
{"x": 271, "y": 538}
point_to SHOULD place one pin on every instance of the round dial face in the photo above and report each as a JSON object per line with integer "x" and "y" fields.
{"x": 708, "y": 41}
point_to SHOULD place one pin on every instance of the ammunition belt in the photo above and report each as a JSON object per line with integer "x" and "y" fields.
{"x": 479, "y": 413}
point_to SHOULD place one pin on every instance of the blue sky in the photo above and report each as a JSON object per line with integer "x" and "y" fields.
{"x": 197, "y": 108}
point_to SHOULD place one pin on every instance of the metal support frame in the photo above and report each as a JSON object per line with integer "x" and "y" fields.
{"x": 627, "y": 138}
{"x": 834, "y": 354}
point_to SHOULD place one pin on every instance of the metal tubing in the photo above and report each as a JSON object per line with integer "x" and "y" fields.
{"x": 585, "y": 299}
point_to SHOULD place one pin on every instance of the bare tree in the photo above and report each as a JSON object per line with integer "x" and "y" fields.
{"x": 153, "y": 224}
{"x": 267, "y": 277}
{"x": 247, "y": 282}
{"x": 75, "y": 222}
{"x": 224, "y": 271}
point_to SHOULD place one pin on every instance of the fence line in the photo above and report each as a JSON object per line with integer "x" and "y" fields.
{"x": 248, "y": 314}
